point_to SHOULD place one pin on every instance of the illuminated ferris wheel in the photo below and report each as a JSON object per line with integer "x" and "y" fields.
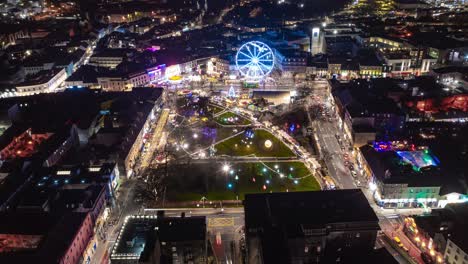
{"x": 254, "y": 60}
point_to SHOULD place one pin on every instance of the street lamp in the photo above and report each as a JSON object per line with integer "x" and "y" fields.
{"x": 225, "y": 168}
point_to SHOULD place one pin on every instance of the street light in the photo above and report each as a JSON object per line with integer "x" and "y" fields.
{"x": 225, "y": 168}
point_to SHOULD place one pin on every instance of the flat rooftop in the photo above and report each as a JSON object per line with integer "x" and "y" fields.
{"x": 415, "y": 167}
{"x": 24, "y": 145}
{"x": 141, "y": 231}
{"x": 307, "y": 208}
{"x": 418, "y": 159}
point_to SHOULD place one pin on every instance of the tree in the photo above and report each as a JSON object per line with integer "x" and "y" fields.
{"x": 151, "y": 187}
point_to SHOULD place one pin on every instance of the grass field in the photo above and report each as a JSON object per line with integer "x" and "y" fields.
{"x": 229, "y": 118}
{"x": 215, "y": 109}
{"x": 240, "y": 146}
{"x": 192, "y": 182}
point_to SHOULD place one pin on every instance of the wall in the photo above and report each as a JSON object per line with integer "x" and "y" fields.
{"x": 45, "y": 87}
{"x": 455, "y": 255}
{"x": 79, "y": 243}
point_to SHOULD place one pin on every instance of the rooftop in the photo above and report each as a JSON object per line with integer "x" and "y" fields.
{"x": 452, "y": 216}
{"x": 363, "y": 98}
{"x": 415, "y": 168}
{"x": 24, "y": 145}
{"x": 140, "y": 231}
{"x": 307, "y": 208}
{"x": 280, "y": 220}
{"x": 112, "y": 53}
{"x": 55, "y": 232}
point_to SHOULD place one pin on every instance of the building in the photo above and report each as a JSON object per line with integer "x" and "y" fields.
{"x": 33, "y": 67}
{"x": 369, "y": 64}
{"x": 309, "y": 227}
{"x": 124, "y": 78}
{"x": 10, "y": 33}
{"x": 457, "y": 250}
{"x": 440, "y": 235}
{"x": 23, "y": 145}
{"x": 48, "y": 238}
{"x": 160, "y": 239}
{"x": 366, "y": 111}
{"x": 291, "y": 61}
{"x": 109, "y": 58}
{"x": 47, "y": 81}
{"x": 317, "y": 41}
{"x": 401, "y": 176}
{"x": 453, "y": 76}
{"x": 102, "y": 120}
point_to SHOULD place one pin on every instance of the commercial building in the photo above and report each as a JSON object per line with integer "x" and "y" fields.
{"x": 441, "y": 235}
{"x": 44, "y": 237}
{"x": 126, "y": 77}
{"x": 110, "y": 58}
{"x": 402, "y": 176}
{"x": 454, "y": 76}
{"x": 47, "y": 81}
{"x": 291, "y": 61}
{"x": 309, "y": 227}
{"x": 365, "y": 111}
{"x": 160, "y": 239}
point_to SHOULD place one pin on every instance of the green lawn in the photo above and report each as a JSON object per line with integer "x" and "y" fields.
{"x": 229, "y": 118}
{"x": 240, "y": 146}
{"x": 215, "y": 109}
{"x": 209, "y": 180}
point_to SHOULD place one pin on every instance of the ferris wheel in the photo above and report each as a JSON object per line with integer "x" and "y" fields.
{"x": 254, "y": 60}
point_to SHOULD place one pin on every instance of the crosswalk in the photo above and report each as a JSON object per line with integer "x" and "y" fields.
{"x": 221, "y": 222}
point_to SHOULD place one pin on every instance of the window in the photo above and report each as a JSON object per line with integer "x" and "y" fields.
{"x": 456, "y": 257}
{"x": 458, "y": 251}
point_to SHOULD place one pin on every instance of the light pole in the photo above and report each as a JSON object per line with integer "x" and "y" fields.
{"x": 203, "y": 199}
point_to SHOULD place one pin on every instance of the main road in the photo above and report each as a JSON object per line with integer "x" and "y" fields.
{"x": 326, "y": 132}
{"x": 224, "y": 225}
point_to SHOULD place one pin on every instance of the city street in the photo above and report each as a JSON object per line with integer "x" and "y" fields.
{"x": 125, "y": 206}
{"x": 327, "y": 132}
{"x": 225, "y": 229}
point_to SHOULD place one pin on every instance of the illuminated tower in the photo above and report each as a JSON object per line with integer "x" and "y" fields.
{"x": 317, "y": 41}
